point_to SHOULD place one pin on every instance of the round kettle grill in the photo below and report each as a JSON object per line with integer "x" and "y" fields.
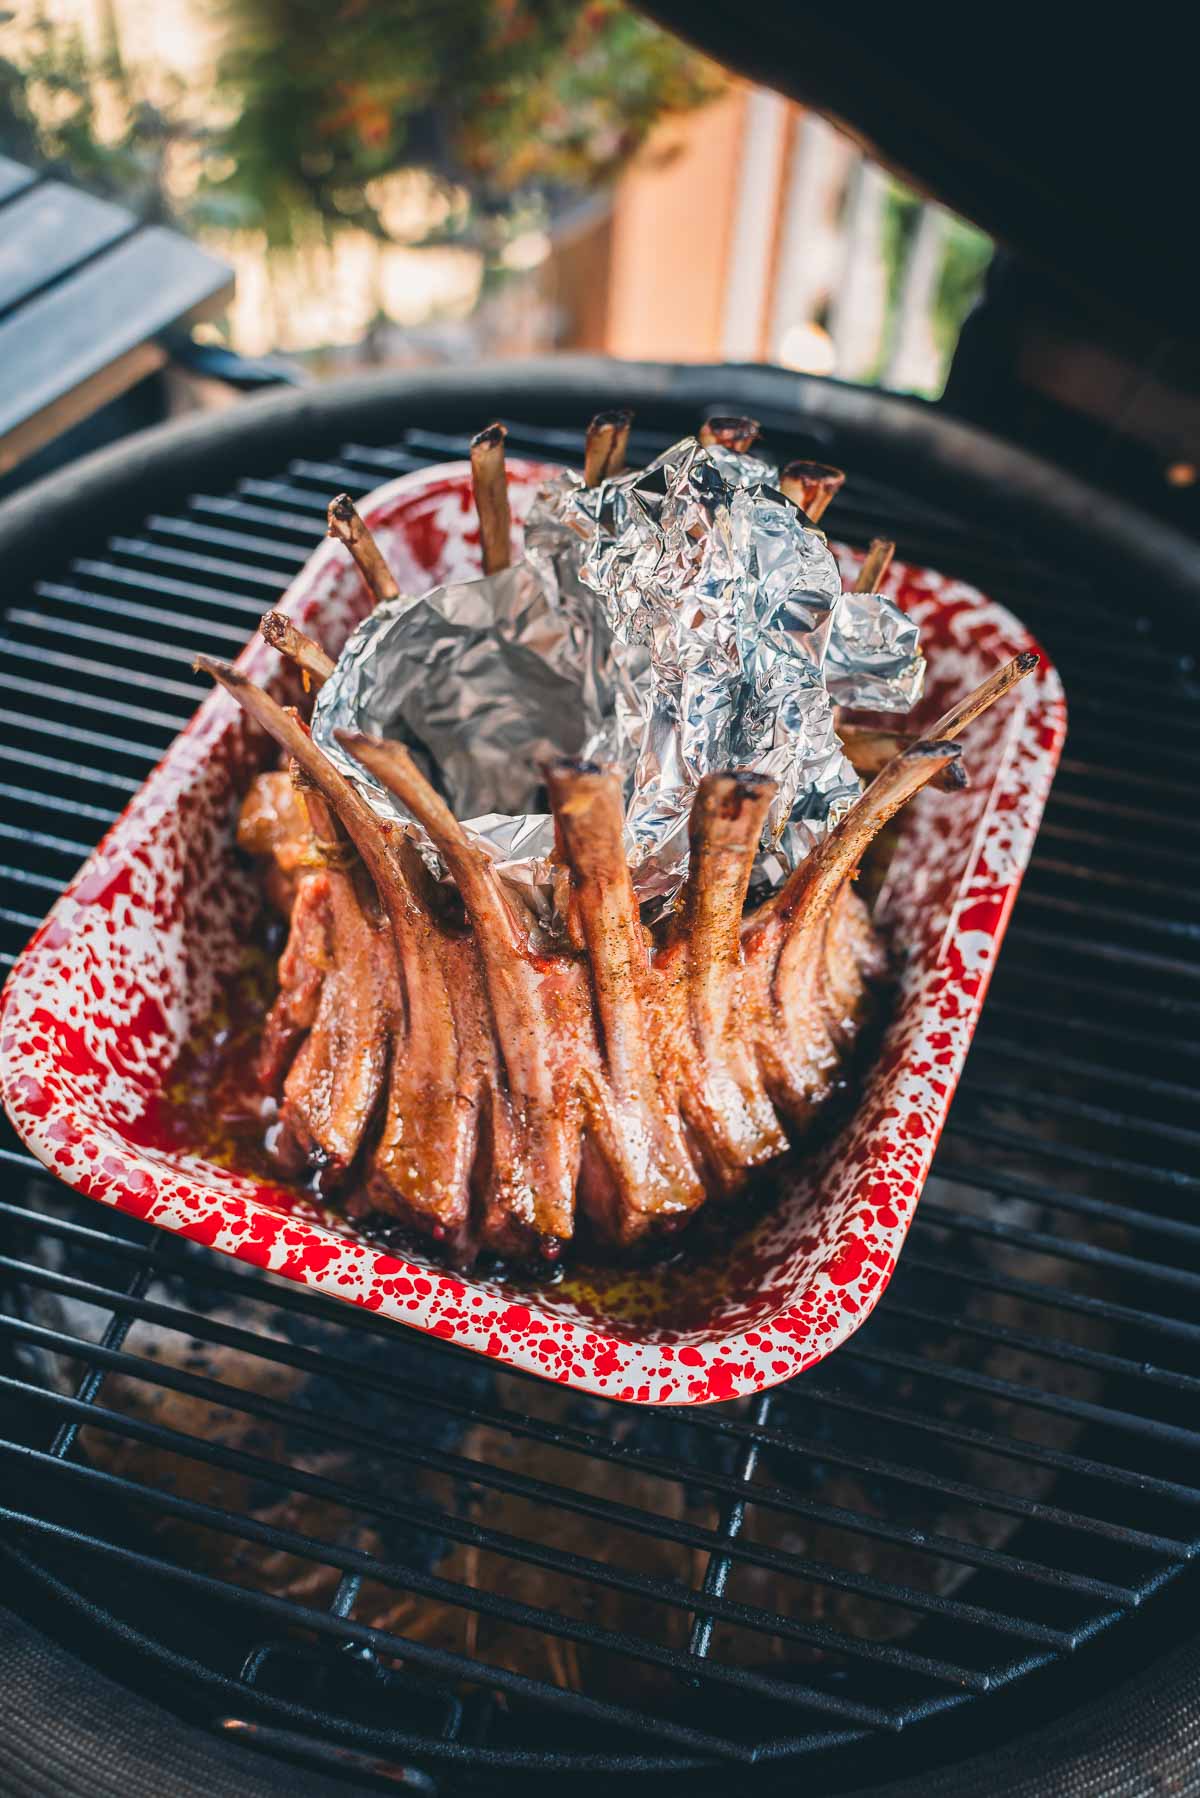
{"x": 257, "y": 1521}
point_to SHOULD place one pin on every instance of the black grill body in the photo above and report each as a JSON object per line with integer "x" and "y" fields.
{"x": 309, "y": 1532}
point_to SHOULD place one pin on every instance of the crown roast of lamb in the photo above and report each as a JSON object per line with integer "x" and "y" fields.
{"x": 438, "y": 1061}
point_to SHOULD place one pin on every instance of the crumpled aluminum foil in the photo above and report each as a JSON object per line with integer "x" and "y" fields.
{"x": 677, "y": 619}
{"x": 700, "y": 560}
{"x": 482, "y": 680}
{"x": 874, "y": 659}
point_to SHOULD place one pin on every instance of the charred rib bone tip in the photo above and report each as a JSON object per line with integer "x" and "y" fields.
{"x": 811, "y": 486}
{"x": 350, "y": 530}
{"x": 930, "y": 749}
{"x": 729, "y": 793}
{"x": 823, "y": 472}
{"x": 491, "y": 437}
{"x": 1027, "y": 661}
{"x": 604, "y": 455}
{"x": 490, "y": 486}
{"x": 561, "y": 765}
{"x": 279, "y": 631}
{"x": 750, "y": 785}
{"x": 730, "y": 432}
{"x": 619, "y": 419}
{"x": 876, "y": 563}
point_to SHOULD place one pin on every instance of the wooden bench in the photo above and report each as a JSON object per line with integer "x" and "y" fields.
{"x": 88, "y": 298}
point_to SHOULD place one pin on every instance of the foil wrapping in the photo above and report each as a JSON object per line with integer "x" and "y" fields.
{"x": 482, "y": 680}
{"x": 874, "y": 658}
{"x": 699, "y": 560}
{"x": 675, "y": 620}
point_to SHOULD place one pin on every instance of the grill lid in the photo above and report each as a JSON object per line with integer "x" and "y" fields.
{"x": 1061, "y": 144}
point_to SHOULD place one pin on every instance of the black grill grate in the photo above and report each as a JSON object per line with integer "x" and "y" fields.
{"x": 322, "y": 1528}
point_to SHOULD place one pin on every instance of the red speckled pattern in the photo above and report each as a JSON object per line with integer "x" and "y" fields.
{"x": 129, "y": 961}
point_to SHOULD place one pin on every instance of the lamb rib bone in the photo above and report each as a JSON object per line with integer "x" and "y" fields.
{"x": 640, "y": 1134}
{"x": 279, "y": 631}
{"x": 738, "y": 434}
{"x": 490, "y": 486}
{"x": 812, "y": 948}
{"x": 811, "y": 486}
{"x": 870, "y": 750}
{"x": 726, "y": 1102}
{"x": 535, "y": 1140}
{"x": 876, "y": 563}
{"x": 607, "y": 438}
{"x": 347, "y": 526}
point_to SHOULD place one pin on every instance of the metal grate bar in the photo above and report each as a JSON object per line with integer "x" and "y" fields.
{"x": 95, "y": 1372}
{"x": 163, "y": 585}
{"x": 589, "y": 1444}
{"x": 1082, "y": 1157}
{"x": 1054, "y": 1298}
{"x": 1111, "y": 844}
{"x": 75, "y": 630}
{"x": 307, "y": 527}
{"x": 1151, "y": 1427}
{"x": 165, "y": 555}
{"x": 1132, "y": 1079}
{"x": 1012, "y": 1186}
{"x": 1051, "y": 1347}
{"x": 1012, "y": 1448}
{"x": 40, "y": 839}
{"x": 50, "y": 802}
{"x": 623, "y": 1515}
{"x": 996, "y": 1091}
{"x": 1099, "y": 948}
{"x": 71, "y": 699}
{"x": 1092, "y": 874}
{"x": 101, "y": 672}
{"x": 672, "y": 1594}
{"x": 1018, "y": 966}
{"x": 733, "y": 1515}
{"x": 245, "y": 542}
{"x": 288, "y": 494}
{"x": 1101, "y": 774}
{"x": 288, "y": 1541}
{"x": 344, "y": 1629}
{"x": 64, "y": 733}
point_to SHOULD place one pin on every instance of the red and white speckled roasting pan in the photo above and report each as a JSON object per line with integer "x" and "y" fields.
{"x": 132, "y": 957}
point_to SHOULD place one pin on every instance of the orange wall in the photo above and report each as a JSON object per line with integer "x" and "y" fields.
{"x": 670, "y": 237}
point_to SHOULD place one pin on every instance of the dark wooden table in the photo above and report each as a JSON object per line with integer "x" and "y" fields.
{"x": 88, "y": 298}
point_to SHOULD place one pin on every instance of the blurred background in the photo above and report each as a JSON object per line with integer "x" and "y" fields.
{"x": 398, "y": 185}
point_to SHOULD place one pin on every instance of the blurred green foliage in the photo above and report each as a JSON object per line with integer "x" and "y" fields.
{"x": 503, "y": 102}
{"x": 53, "y": 91}
{"x": 965, "y": 254}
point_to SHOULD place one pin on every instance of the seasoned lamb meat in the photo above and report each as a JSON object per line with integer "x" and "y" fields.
{"x": 272, "y": 824}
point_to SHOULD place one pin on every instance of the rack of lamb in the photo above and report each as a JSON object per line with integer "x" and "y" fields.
{"x": 662, "y": 1020}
